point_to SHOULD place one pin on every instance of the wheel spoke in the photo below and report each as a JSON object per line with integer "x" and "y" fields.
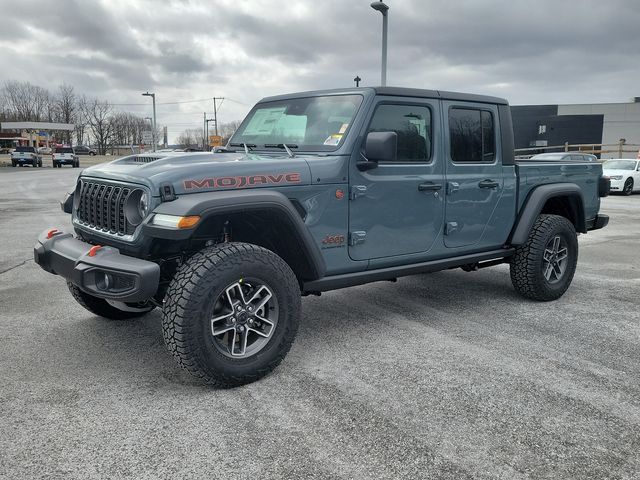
{"x": 562, "y": 254}
{"x": 556, "y": 244}
{"x": 548, "y": 270}
{"x": 262, "y": 301}
{"x": 557, "y": 270}
{"x": 222, "y": 330}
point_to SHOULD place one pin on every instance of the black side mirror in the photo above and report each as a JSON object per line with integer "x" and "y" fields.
{"x": 379, "y": 147}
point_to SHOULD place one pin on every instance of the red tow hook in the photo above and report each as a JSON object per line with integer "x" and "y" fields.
{"x": 51, "y": 233}
{"x": 93, "y": 250}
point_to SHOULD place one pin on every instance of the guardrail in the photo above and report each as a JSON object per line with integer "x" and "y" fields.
{"x": 594, "y": 148}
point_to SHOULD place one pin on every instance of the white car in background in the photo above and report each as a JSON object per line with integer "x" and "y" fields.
{"x": 624, "y": 174}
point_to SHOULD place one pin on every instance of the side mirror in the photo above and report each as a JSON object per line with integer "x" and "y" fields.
{"x": 379, "y": 147}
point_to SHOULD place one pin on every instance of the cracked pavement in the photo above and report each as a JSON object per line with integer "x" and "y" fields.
{"x": 449, "y": 375}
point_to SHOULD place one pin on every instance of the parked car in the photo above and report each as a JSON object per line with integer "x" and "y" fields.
{"x": 65, "y": 156}
{"x": 316, "y": 191}
{"x": 566, "y": 157}
{"x": 84, "y": 150}
{"x": 624, "y": 174}
{"x": 26, "y": 156}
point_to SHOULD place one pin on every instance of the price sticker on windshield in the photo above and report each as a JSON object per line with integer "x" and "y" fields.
{"x": 333, "y": 139}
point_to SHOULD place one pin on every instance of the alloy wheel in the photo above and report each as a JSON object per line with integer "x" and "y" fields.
{"x": 244, "y": 318}
{"x": 555, "y": 259}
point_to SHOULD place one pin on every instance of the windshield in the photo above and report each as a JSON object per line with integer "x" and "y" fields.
{"x": 64, "y": 150}
{"x": 547, "y": 156}
{"x": 619, "y": 165}
{"x": 25, "y": 149}
{"x": 313, "y": 124}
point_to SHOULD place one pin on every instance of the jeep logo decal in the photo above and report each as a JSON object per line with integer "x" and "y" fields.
{"x": 242, "y": 181}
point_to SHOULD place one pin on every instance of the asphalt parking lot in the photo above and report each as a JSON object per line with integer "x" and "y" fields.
{"x": 449, "y": 375}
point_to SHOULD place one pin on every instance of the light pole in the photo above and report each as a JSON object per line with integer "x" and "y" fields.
{"x": 384, "y": 10}
{"x": 153, "y": 132}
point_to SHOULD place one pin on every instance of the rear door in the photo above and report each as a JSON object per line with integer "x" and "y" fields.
{"x": 474, "y": 175}
{"x": 397, "y": 208}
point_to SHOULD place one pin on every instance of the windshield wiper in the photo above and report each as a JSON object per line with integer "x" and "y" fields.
{"x": 282, "y": 145}
{"x": 247, "y": 146}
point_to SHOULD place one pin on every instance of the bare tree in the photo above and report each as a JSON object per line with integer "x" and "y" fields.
{"x": 226, "y": 130}
{"x": 98, "y": 117}
{"x": 67, "y": 106}
{"x": 27, "y": 102}
{"x": 191, "y": 138}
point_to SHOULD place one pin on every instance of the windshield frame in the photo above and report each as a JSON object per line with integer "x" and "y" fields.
{"x": 631, "y": 161}
{"x": 312, "y": 149}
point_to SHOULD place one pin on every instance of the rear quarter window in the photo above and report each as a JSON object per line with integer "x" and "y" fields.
{"x": 472, "y": 135}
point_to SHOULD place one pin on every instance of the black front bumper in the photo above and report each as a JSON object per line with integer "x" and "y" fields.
{"x": 105, "y": 273}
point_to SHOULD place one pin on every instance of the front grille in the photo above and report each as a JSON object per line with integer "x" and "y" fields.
{"x": 102, "y": 207}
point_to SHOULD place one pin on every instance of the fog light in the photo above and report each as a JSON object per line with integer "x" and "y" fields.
{"x": 104, "y": 281}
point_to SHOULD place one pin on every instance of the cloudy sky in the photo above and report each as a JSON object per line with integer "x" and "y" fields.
{"x": 544, "y": 51}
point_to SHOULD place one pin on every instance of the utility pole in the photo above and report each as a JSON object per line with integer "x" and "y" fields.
{"x": 204, "y": 140}
{"x": 215, "y": 113}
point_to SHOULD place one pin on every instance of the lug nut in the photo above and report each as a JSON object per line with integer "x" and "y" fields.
{"x": 250, "y": 321}
{"x": 240, "y": 328}
{"x": 250, "y": 308}
{"x": 232, "y": 319}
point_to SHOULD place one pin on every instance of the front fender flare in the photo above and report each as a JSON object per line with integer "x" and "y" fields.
{"x": 209, "y": 204}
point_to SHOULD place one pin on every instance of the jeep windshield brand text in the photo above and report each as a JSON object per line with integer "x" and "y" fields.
{"x": 242, "y": 181}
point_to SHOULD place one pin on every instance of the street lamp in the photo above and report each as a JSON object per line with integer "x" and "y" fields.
{"x": 384, "y": 10}
{"x": 153, "y": 133}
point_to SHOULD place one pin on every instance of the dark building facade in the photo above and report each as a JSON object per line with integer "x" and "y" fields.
{"x": 541, "y": 126}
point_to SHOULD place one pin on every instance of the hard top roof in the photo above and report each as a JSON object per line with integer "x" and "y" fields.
{"x": 395, "y": 92}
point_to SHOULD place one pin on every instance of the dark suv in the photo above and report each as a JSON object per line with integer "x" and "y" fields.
{"x": 84, "y": 150}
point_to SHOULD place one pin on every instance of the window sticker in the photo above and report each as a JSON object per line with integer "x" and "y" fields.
{"x": 333, "y": 139}
{"x": 343, "y": 128}
{"x": 263, "y": 121}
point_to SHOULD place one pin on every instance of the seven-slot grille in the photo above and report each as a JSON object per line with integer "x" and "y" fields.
{"x": 102, "y": 206}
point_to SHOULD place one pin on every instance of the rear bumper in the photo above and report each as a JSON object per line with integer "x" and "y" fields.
{"x": 599, "y": 222}
{"x": 106, "y": 274}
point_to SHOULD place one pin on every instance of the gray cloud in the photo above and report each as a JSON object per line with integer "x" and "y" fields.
{"x": 540, "y": 52}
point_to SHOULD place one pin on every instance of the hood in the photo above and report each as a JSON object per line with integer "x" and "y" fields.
{"x": 613, "y": 172}
{"x": 198, "y": 172}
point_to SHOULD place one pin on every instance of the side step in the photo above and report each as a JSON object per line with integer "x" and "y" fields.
{"x": 335, "y": 282}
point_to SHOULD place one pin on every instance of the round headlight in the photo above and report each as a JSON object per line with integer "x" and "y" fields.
{"x": 143, "y": 205}
{"x": 137, "y": 207}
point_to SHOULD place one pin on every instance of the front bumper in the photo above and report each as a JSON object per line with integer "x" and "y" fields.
{"x": 103, "y": 272}
{"x": 617, "y": 185}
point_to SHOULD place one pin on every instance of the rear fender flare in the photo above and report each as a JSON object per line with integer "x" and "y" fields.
{"x": 536, "y": 201}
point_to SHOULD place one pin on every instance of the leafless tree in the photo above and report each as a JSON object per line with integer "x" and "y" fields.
{"x": 98, "y": 117}
{"x": 27, "y": 102}
{"x": 67, "y": 106}
{"x": 226, "y": 130}
{"x": 191, "y": 138}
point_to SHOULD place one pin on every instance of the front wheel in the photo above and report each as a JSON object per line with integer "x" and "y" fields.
{"x": 542, "y": 268}
{"x": 231, "y": 313}
{"x": 106, "y": 309}
{"x": 628, "y": 187}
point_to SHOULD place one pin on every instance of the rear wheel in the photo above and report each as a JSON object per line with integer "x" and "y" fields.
{"x": 34, "y": 163}
{"x": 628, "y": 187}
{"x": 106, "y": 309}
{"x": 542, "y": 268}
{"x": 231, "y": 313}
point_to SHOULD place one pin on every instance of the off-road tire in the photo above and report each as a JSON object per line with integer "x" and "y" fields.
{"x": 527, "y": 265}
{"x": 189, "y": 304}
{"x": 627, "y": 189}
{"x": 101, "y": 307}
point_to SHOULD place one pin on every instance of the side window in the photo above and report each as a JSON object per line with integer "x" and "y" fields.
{"x": 412, "y": 124}
{"x": 472, "y": 135}
{"x": 579, "y": 158}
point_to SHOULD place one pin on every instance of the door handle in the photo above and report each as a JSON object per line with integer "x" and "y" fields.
{"x": 488, "y": 184}
{"x": 429, "y": 187}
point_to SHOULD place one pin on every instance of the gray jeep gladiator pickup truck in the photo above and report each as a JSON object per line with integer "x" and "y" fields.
{"x": 316, "y": 191}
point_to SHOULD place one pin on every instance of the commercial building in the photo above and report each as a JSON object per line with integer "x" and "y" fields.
{"x": 579, "y": 124}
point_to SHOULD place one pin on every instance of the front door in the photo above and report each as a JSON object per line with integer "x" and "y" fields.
{"x": 474, "y": 173}
{"x": 398, "y": 208}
